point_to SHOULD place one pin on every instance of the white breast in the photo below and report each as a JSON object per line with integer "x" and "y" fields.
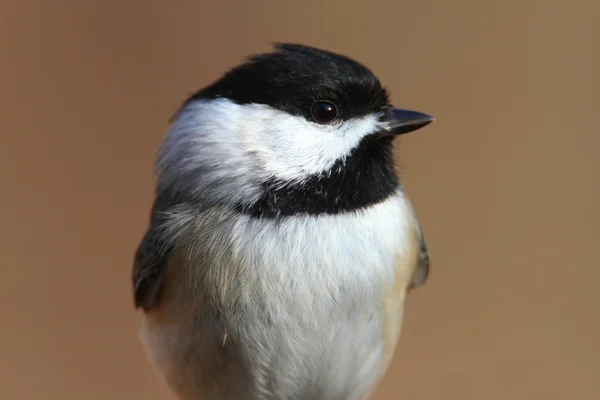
{"x": 293, "y": 307}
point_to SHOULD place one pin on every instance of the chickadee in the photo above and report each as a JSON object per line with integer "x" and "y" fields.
{"x": 281, "y": 245}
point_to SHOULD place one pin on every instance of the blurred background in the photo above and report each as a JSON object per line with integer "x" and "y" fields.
{"x": 506, "y": 181}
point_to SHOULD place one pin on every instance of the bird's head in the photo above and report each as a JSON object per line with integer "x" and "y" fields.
{"x": 296, "y": 130}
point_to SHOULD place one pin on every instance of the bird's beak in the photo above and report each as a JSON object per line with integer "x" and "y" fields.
{"x": 396, "y": 121}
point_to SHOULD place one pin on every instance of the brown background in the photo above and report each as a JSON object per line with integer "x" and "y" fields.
{"x": 505, "y": 182}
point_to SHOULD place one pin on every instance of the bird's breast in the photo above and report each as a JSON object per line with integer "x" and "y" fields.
{"x": 308, "y": 306}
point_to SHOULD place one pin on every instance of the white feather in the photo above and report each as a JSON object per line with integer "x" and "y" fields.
{"x": 297, "y": 302}
{"x": 304, "y": 313}
{"x": 230, "y": 150}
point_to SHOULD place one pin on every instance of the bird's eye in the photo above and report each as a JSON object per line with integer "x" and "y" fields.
{"x": 324, "y": 112}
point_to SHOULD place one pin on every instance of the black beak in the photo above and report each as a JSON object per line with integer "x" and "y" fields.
{"x": 398, "y": 122}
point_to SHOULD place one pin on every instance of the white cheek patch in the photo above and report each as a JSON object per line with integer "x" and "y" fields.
{"x": 291, "y": 148}
{"x": 232, "y": 149}
{"x": 294, "y": 148}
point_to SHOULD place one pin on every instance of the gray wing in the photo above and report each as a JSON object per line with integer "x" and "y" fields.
{"x": 151, "y": 259}
{"x": 422, "y": 269}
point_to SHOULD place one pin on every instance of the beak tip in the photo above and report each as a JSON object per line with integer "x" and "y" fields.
{"x": 404, "y": 121}
{"x": 426, "y": 118}
{"x": 429, "y": 120}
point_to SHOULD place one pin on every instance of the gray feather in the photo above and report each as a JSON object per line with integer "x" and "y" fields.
{"x": 153, "y": 254}
{"x": 422, "y": 268}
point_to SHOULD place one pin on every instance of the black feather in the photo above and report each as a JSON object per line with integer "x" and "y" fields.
{"x": 292, "y": 79}
{"x": 365, "y": 177}
{"x": 295, "y": 76}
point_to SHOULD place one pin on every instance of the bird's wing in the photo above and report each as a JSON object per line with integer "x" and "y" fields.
{"x": 151, "y": 259}
{"x": 421, "y": 271}
{"x": 411, "y": 270}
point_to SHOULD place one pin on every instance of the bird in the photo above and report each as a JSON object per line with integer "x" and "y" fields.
{"x": 281, "y": 244}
